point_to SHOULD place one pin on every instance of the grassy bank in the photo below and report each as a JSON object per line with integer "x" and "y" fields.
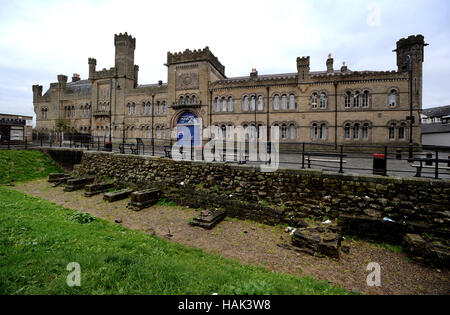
{"x": 21, "y": 165}
{"x": 39, "y": 239}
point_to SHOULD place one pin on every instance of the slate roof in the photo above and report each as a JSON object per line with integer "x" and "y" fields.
{"x": 141, "y": 86}
{"x": 79, "y": 87}
{"x": 294, "y": 75}
{"x": 435, "y": 128}
{"x": 437, "y": 111}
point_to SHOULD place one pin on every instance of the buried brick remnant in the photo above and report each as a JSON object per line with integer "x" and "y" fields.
{"x": 318, "y": 240}
{"x": 117, "y": 195}
{"x": 98, "y": 188}
{"x": 78, "y": 183}
{"x": 427, "y": 250}
{"x": 56, "y": 177}
{"x": 144, "y": 199}
{"x": 208, "y": 218}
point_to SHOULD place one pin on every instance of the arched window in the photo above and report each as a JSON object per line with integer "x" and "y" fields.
{"x": 393, "y": 98}
{"x": 149, "y": 108}
{"x": 356, "y": 99}
{"x": 401, "y": 132}
{"x": 230, "y": 104}
{"x": 314, "y": 100}
{"x": 348, "y": 98}
{"x": 276, "y": 132}
{"x": 314, "y": 131}
{"x": 323, "y": 100}
{"x": 245, "y": 132}
{"x": 253, "y": 103}
{"x": 356, "y": 131}
{"x": 187, "y": 100}
{"x": 365, "y": 131}
{"x": 129, "y": 108}
{"x": 392, "y": 131}
{"x": 260, "y": 131}
{"x": 252, "y": 131}
{"x": 366, "y": 99}
{"x": 284, "y": 102}
{"x": 217, "y": 104}
{"x": 260, "y": 103}
{"x": 163, "y": 132}
{"x": 164, "y": 107}
{"x": 292, "y": 101}
{"x": 245, "y": 103}
{"x": 181, "y": 100}
{"x": 194, "y": 99}
{"x": 283, "y": 131}
{"x": 347, "y": 131}
{"x": 276, "y": 102}
{"x": 230, "y": 132}
{"x": 323, "y": 131}
{"x": 292, "y": 132}
{"x": 134, "y": 109}
{"x": 224, "y": 131}
{"x": 224, "y": 104}
{"x": 158, "y": 133}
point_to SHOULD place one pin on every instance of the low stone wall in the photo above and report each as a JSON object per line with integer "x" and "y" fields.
{"x": 417, "y": 205}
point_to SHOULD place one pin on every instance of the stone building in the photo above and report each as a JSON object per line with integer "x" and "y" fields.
{"x": 333, "y": 106}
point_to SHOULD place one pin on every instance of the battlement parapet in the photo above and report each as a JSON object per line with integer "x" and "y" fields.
{"x": 410, "y": 41}
{"x": 195, "y": 55}
{"x": 124, "y": 39}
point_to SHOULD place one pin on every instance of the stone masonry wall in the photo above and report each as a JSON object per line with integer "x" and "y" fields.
{"x": 286, "y": 196}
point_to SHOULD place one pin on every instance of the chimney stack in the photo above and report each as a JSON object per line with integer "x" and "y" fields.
{"x": 75, "y": 77}
{"x": 344, "y": 67}
{"x": 254, "y": 74}
{"x": 330, "y": 62}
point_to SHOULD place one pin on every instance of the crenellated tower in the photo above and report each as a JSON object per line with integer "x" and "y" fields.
{"x": 124, "y": 57}
{"x": 303, "y": 69}
{"x": 412, "y": 46}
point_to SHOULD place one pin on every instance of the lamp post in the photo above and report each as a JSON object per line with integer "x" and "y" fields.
{"x": 153, "y": 117}
{"x": 110, "y": 105}
{"x": 410, "y": 106}
{"x": 256, "y": 128}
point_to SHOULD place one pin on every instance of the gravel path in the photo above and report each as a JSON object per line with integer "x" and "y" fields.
{"x": 254, "y": 243}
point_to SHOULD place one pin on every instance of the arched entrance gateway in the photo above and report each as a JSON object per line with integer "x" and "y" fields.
{"x": 189, "y": 130}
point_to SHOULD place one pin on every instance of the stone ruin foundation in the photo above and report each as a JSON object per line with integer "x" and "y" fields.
{"x": 117, "y": 195}
{"x": 208, "y": 218}
{"x": 96, "y": 189}
{"x": 144, "y": 199}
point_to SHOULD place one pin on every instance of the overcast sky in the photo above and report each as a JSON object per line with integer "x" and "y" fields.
{"x": 41, "y": 39}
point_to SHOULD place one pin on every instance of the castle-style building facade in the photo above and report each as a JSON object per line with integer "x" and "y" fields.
{"x": 333, "y": 106}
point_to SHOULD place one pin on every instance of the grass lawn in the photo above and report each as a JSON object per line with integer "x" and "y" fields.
{"x": 21, "y": 165}
{"x": 39, "y": 239}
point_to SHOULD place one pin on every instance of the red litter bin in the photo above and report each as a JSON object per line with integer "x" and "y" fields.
{"x": 379, "y": 164}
